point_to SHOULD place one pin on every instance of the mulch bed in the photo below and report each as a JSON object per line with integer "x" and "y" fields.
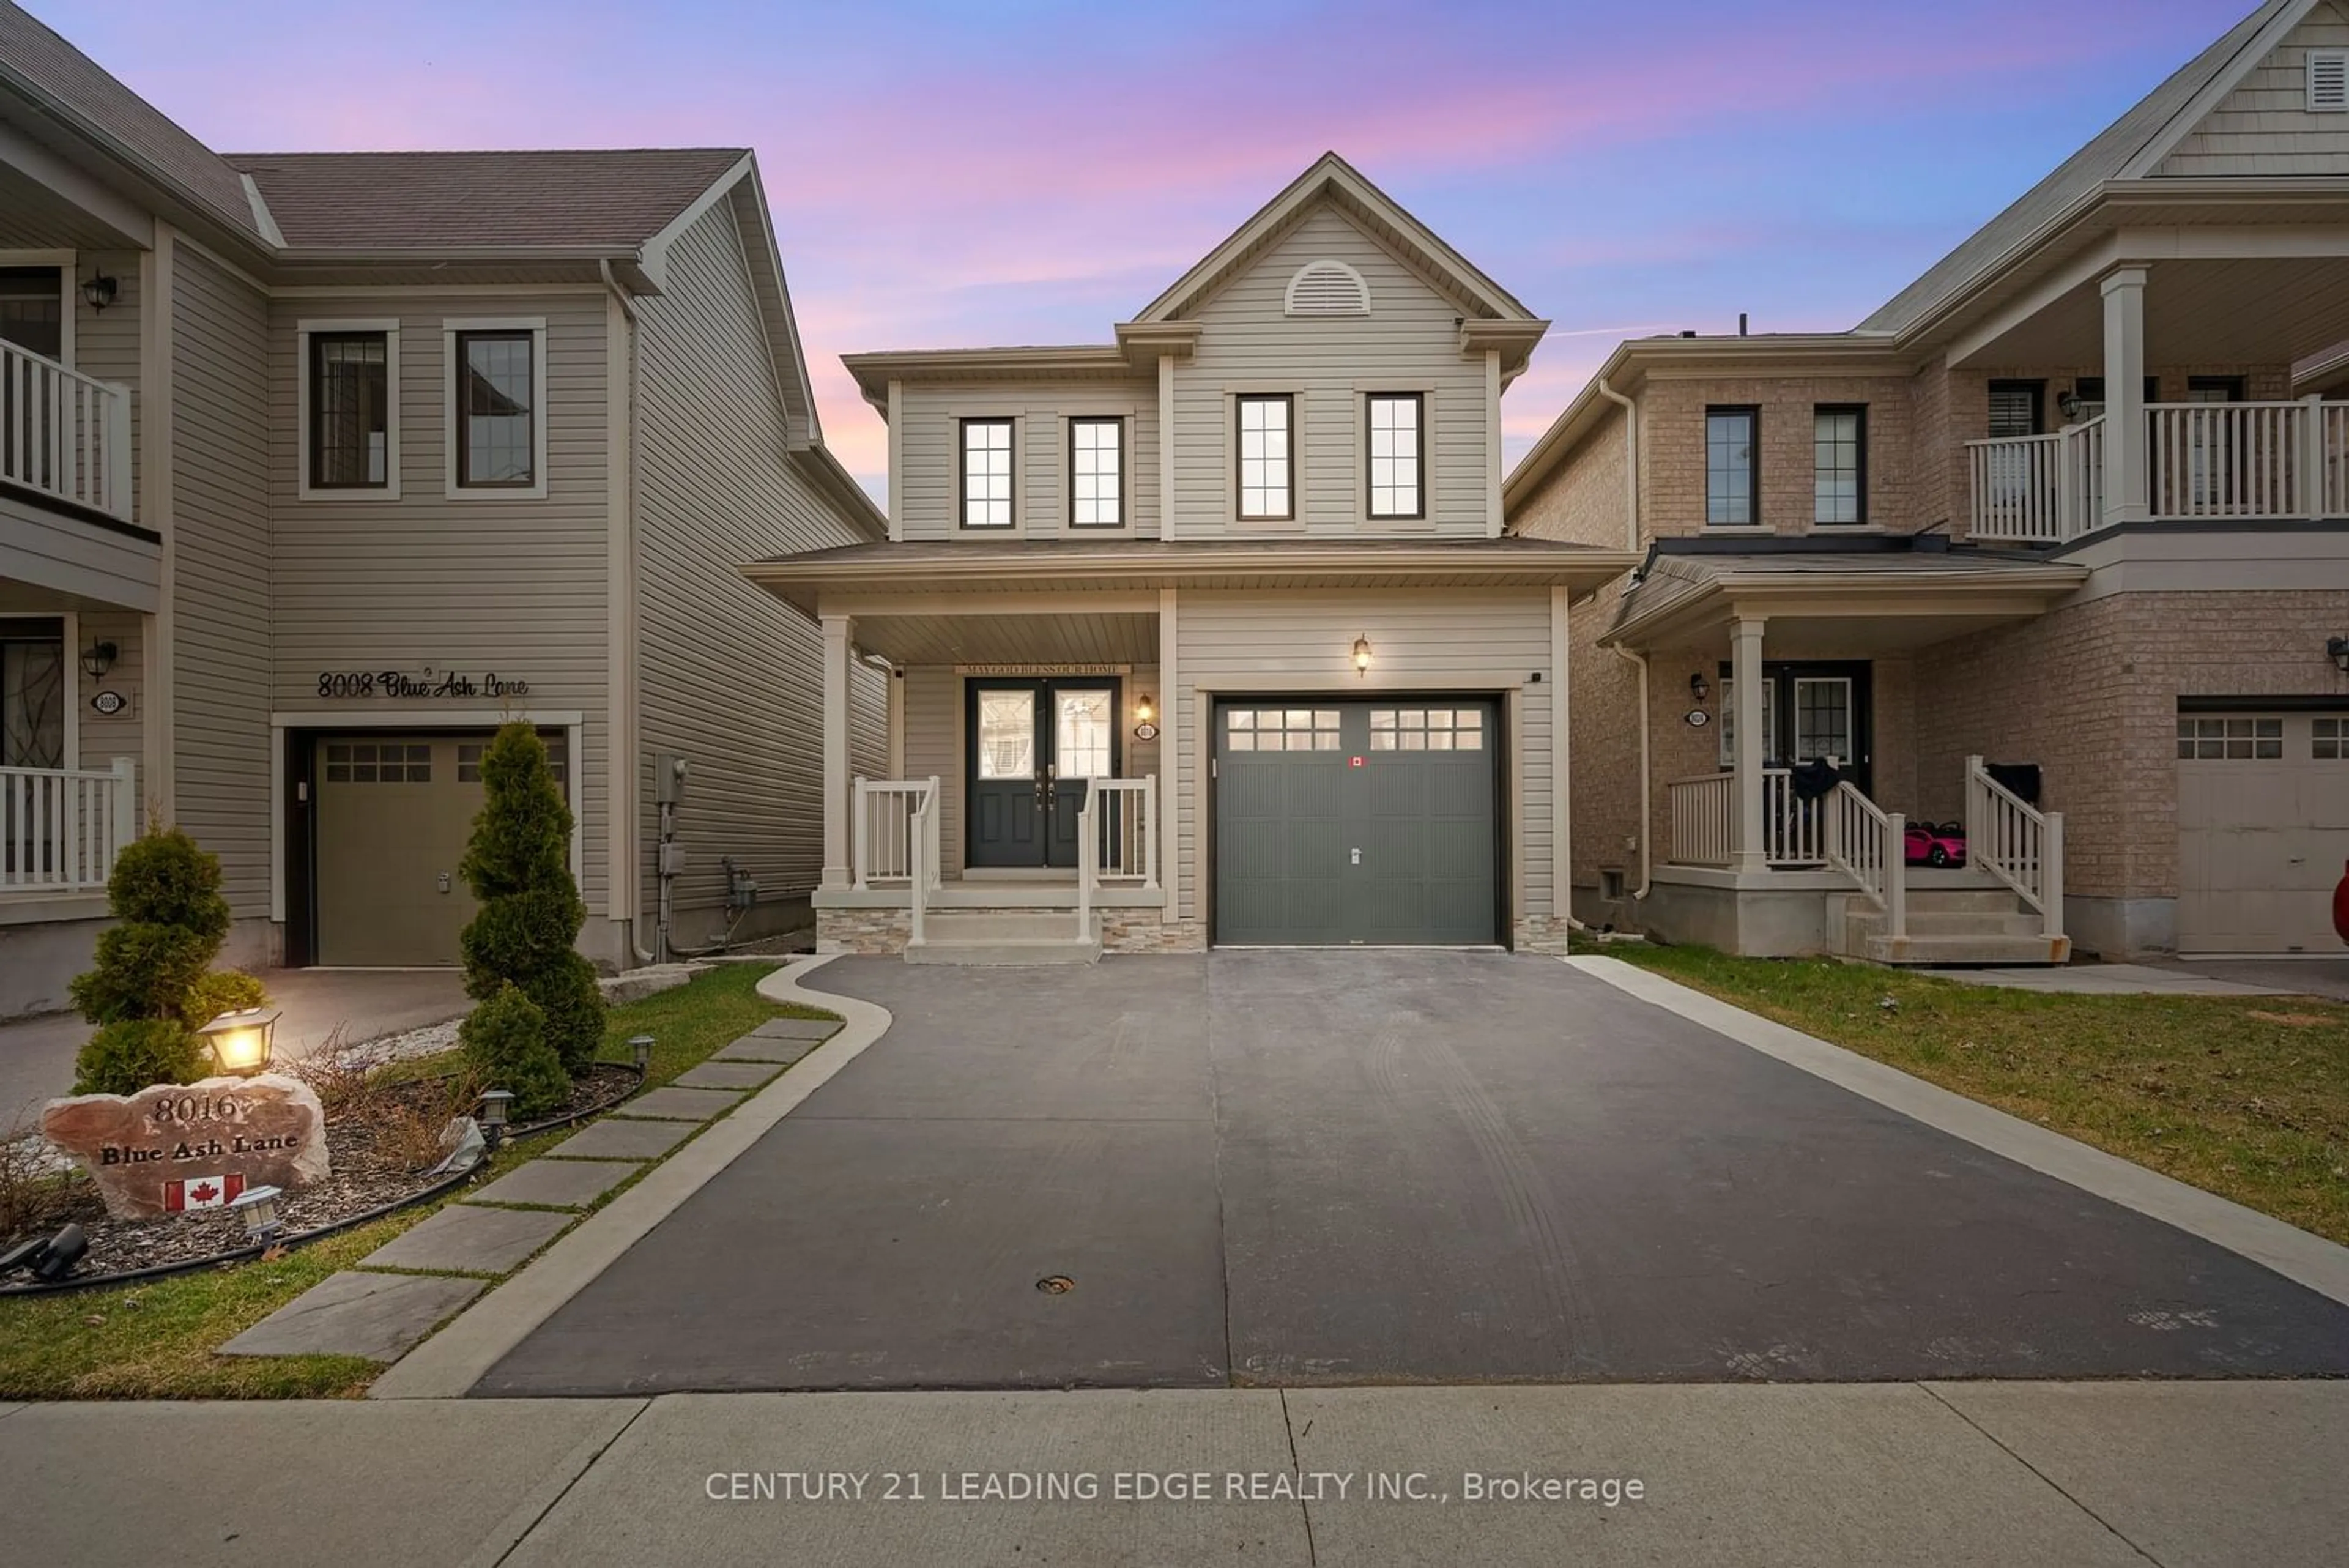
{"x": 379, "y": 1148}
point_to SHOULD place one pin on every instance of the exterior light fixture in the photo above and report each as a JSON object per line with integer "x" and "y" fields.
{"x": 98, "y": 659}
{"x": 1699, "y": 687}
{"x": 1361, "y": 656}
{"x": 493, "y": 1115}
{"x": 1144, "y": 711}
{"x": 241, "y": 1042}
{"x": 60, "y": 1253}
{"x": 100, "y": 291}
{"x": 259, "y": 1207}
{"x": 640, "y": 1046}
{"x": 2071, "y": 403}
{"x": 2337, "y": 649}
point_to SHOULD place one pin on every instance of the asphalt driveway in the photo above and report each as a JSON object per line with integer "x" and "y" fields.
{"x": 1295, "y": 1168}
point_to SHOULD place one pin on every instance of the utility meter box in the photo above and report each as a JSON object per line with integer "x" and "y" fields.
{"x": 669, "y": 778}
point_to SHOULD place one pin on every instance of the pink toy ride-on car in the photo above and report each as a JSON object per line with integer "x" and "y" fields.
{"x": 1935, "y": 844}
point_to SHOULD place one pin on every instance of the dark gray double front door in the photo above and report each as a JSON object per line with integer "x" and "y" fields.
{"x": 1033, "y": 746}
{"x": 1356, "y": 822}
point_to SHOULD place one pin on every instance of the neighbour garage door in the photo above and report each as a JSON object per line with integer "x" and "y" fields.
{"x": 1356, "y": 822}
{"x": 392, "y": 814}
{"x": 2262, "y": 831}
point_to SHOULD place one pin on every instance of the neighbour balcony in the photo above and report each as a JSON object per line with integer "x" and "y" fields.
{"x": 2237, "y": 461}
{"x": 63, "y": 436}
{"x": 60, "y": 829}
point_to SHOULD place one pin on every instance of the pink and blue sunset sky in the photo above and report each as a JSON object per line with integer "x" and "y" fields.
{"x": 1032, "y": 170}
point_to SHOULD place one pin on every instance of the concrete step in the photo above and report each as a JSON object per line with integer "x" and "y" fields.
{"x": 1973, "y": 923}
{"x": 1005, "y": 951}
{"x": 999, "y": 925}
{"x": 2003, "y": 952}
{"x": 2000, "y": 900}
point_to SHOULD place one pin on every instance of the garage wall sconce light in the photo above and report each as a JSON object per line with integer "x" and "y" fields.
{"x": 98, "y": 659}
{"x": 1362, "y": 657}
{"x": 2337, "y": 649}
{"x": 1699, "y": 687}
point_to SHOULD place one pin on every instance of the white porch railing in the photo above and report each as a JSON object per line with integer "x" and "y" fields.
{"x": 1704, "y": 819}
{"x": 1793, "y": 831}
{"x": 60, "y": 829}
{"x": 2017, "y": 843}
{"x": 63, "y": 434}
{"x": 922, "y": 862}
{"x": 2243, "y": 462}
{"x": 888, "y": 825}
{"x": 1126, "y": 830}
{"x": 1869, "y": 846}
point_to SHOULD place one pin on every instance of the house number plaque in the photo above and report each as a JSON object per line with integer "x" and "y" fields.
{"x": 428, "y": 683}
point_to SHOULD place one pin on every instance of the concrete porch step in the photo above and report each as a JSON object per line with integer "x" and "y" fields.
{"x": 2000, "y": 900}
{"x": 995, "y": 936}
{"x": 943, "y": 925}
{"x": 1066, "y": 949}
{"x": 2000, "y": 950}
{"x": 1936, "y": 923}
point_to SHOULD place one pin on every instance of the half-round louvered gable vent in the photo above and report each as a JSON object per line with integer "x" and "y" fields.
{"x": 1327, "y": 287}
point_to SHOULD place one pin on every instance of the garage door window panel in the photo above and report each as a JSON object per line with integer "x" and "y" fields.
{"x": 2230, "y": 740}
{"x": 2328, "y": 740}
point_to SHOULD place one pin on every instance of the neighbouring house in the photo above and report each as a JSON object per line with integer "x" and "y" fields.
{"x": 316, "y": 467}
{"x": 2075, "y": 502}
{"x": 1210, "y": 634}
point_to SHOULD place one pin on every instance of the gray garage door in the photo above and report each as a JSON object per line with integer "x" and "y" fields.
{"x": 1360, "y": 822}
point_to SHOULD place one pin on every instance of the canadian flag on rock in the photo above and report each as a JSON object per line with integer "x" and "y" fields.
{"x": 200, "y": 1192}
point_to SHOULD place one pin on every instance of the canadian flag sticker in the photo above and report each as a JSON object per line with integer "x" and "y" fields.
{"x": 200, "y": 1192}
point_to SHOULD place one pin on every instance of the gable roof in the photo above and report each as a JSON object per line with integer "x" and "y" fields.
{"x": 2129, "y": 149}
{"x": 66, "y": 86}
{"x": 376, "y": 201}
{"x": 1334, "y": 178}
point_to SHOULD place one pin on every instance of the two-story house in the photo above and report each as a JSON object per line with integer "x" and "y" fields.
{"x": 314, "y": 468}
{"x": 1210, "y": 633}
{"x": 2074, "y": 502}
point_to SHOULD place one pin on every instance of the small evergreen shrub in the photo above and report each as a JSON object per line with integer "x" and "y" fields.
{"x": 151, "y": 988}
{"x": 505, "y": 1046}
{"x": 132, "y": 1054}
{"x": 518, "y": 865}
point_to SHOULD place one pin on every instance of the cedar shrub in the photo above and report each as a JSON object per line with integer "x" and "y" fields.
{"x": 505, "y": 1045}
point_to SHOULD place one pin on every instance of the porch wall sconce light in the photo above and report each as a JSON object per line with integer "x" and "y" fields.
{"x": 241, "y": 1044}
{"x": 1144, "y": 710}
{"x": 1362, "y": 657}
{"x": 2072, "y": 404}
{"x": 493, "y": 1117}
{"x": 2337, "y": 649}
{"x": 100, "y": 291}
{"x": 98, "y": 659}
{"x": 1699, "y": 687}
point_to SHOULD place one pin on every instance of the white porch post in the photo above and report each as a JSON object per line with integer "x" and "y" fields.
{"x": 1745, "y": 674}
{"x": 2126, "y": 488}
{"x": 837, "y": 654}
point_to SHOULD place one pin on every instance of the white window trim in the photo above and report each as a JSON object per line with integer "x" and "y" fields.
{"x": 536, "y": 327}
{"x": 389, "y": 326}
{"x": 69, "y": 265}
{"x": 70, "y": 634}
{"x": 1127, "y": 420}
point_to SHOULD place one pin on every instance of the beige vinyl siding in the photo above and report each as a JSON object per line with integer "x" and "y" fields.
{"x": 929, "y": 453}
{"x": 107, "y": 342}
{"x": 2263, "y": 127}
{"x": 222, "y": 570}
{"x": 105, "y": 737}
{"x": 937, "y": 744}
{"x": 1409, "y": 342}
{"x": 868, "y": 721}
{"x": 731, "y": 677}
{"x": 1442, "y": 641}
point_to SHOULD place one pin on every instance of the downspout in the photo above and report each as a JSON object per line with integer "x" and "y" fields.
{"x": 628, "y": 649}
{"x": 1647, "y": 805}
{"x": 1631, "y": 462}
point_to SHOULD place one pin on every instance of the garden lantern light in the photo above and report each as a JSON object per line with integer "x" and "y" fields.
{"x": 259, "y": 1207}
{"x": 640, "y": 1046}
{"x": 241, "y": 1042}
{"x": 493, "y": 1115}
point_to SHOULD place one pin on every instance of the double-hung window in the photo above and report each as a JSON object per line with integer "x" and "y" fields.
{"x": 1266, "y": 455}
{"x": 354, "y": 426}
{"x": 1839, "y": 463}
{"x": 1733, "y": 467}
{"x": 1398, "y": 450}
{"x": 1097, "y": 473}
{"x": 986, "y": 474}
{"x": 498, "y": 432}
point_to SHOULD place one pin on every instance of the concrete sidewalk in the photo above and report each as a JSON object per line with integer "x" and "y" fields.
{"x": 1899, "y": 1473}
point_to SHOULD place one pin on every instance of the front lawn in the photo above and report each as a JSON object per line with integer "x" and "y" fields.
{"x": 156, "y": 1341}
{"x": 2244, "y": 1096}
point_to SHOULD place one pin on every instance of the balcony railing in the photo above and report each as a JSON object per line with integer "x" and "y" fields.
{"x": 63, "y": 435}
{"x": 60, "y": 829}
{"x": 2240, "y": 462}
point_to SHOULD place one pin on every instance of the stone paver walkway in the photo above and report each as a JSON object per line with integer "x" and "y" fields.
{"x": 369, "y": 1311}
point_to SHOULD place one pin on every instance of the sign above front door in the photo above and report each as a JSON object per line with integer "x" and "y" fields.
{"x": 1044, "y": 669}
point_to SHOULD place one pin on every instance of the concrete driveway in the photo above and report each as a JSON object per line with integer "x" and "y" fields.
{"x": 1377, "y": 1167}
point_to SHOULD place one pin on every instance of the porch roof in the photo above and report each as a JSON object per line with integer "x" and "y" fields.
{"x": 1081, "y": 566}
{"x": 1856, "y": 601}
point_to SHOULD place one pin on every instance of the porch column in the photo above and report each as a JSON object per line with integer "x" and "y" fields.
{"x": 2124, "y": 431}
{"x": 837, "y": 655}
{"x": 1745, "y": 674}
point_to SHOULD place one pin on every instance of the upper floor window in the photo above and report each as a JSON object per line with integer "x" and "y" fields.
{"x": 1839, "y": 463}
{"x": 1733, "y": 467}
{"x": 498, "y": 413}
{"x": 1398, "y": 450}
{"x": 1097, "y": 473}
{"x": 986, "y": 474}
{"x": 1266, "y": 456}
{"x": 352, "y": 440}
